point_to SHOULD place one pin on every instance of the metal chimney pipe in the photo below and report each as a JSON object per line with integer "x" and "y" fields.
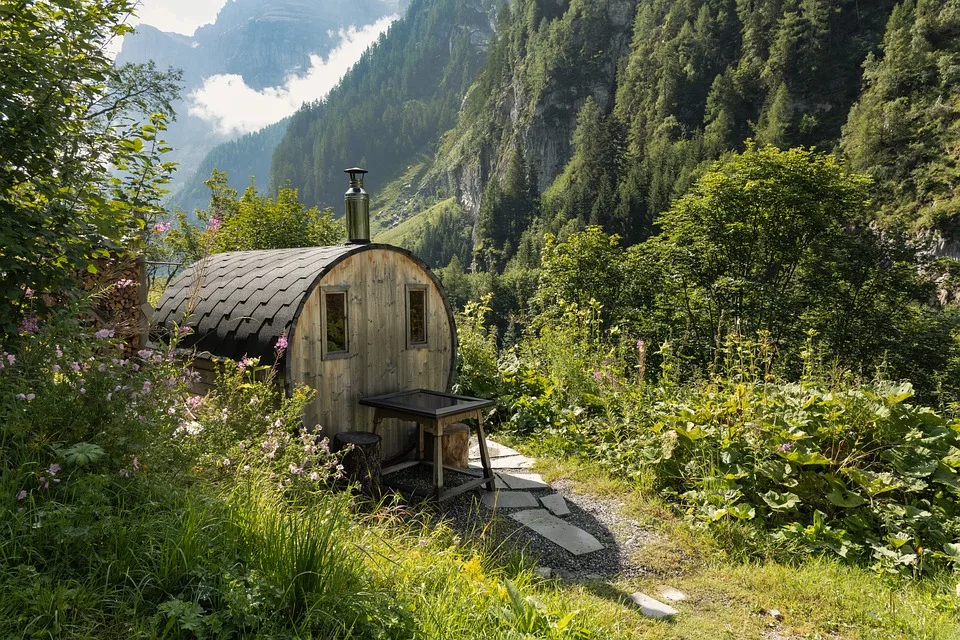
{"x": 357, "y": 203}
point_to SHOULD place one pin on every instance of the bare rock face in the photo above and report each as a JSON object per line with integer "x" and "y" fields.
{"x": 543, "y": 122}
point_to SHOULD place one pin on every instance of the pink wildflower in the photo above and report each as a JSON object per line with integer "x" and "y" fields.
{"x": 22, "y": 495}
{"x": 28, "y": 293}
{"x": 55, "y": 368}
{"x": 161, "y": 227}
{"x": 31, "y": 396}
{"x": 12, "y": 359}
{"x": 103, "y": 334}
{"x": 124, "y": 283}
{"x": 185, "y": 331}
{"x": 214, "y": 224}
{"x": 146, "y": 354}
{"x": 54, "y": 469}
{"x": 281, "y": 344}
{"x": 146, "y": 386}
{"x": 597, "y": 376}
{"x": 786, "y": 446}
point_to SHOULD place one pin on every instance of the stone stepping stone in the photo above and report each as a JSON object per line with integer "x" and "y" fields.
{"x": 573, "y": 539}
{"x": 524, "y": 480}
{"x": 509, "y": 500}
{"x": 667, "y": 592}
{"x": 652, "y": 608}
{"x": 495, "y": 449}
{"x": 509, "y": 462}
{"x": 556, "y": 504}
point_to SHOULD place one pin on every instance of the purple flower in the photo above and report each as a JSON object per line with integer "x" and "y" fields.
{"x": 29, "y": 325}
{"x": 20, "y": 396}
{"x": 641, "y": 345}
{"x": 103, "y": 334}
{"x": 55, "y": 368}
{"x": 281, "y": 344}
{"x": 214, "y": 224}
{"x": 31, "y": 396}
{"x": 185, "y": 331}
{"x": 786, "y": 446}
{"x": 12, "y": 359}
{"x": 597, "y": 376}
{"x": 54, "y": 469}
{"x": 22, "y": 495}
{"x": 146, "y": 386}
{"x": 136, "y": 463}
{"x": 75, "y": 367}
{"x": 123, "y": 284}
{"x": 145, "y": 353}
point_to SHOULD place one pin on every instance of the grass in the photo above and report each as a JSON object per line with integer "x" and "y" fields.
{"x": 389, "y": 198}
{"x": 730, "y": 597}
{"x": 406, "y": 233}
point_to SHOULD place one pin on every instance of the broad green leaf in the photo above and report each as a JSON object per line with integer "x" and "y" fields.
{"x": 806, "y": 459}
{"x": 846, "y": 499}
{"x": 780, "y": 501}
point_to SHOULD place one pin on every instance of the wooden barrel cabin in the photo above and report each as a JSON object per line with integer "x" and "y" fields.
{"x": 359, "y": 319}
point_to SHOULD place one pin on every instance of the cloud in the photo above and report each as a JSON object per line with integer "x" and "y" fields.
{"x": 179, "y": 16}
{"x": 233, "y": 108}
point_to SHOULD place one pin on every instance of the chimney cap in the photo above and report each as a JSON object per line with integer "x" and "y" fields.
{"x": 355, "y": 170}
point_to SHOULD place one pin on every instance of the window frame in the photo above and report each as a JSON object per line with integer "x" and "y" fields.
{"x": 426, "y": 315}
{"x": 345, "y": 292}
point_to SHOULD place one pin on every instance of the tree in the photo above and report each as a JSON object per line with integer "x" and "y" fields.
{"x": 79, "y": 175}
{"x": 251, "y": 222}
{"x": 779, "y": 241}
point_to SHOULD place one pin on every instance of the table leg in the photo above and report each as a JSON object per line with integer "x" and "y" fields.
{"x": 485, "y": 455}
{"x": 377, "y": 421}
{"x": 437, "y": 464}
{"x": 420, "y": 453}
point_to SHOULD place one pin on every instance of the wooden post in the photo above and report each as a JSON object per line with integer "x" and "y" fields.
{"x": 361, "y": 464}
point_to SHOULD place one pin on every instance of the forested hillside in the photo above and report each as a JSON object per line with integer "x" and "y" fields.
{"x": 604, "y": 112}
{"x": 395, "y": 102}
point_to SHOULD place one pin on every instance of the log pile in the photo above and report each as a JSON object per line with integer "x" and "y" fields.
{"x": 118, "y": 298}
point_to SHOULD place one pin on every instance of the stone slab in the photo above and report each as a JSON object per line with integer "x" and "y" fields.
{"x": 510, "y": 462}
{"x": 495, "y": 449}
{"x": 652, "y": 608}
{"x": 524, "y": 480}
{"x": 509, "y": 500}
{"x": 667, "y": 592}
{"x": 573, "y": 539}
{"x": 556, "y": 504}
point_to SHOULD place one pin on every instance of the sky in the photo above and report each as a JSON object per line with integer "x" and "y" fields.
{"x": 233, "y": 108}
{"x": 180, "y": 16}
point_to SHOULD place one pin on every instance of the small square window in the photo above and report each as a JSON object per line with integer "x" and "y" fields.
{"x": 336, "y": 335}
{"x": 416, "y": 316}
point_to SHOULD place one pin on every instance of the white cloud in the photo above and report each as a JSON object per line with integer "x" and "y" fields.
{"x": 179, "y": 16}
{"x": 233, "y": 108}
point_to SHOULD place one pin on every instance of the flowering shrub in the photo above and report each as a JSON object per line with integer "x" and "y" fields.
{"x": 248, "y": 424}
{"x": 64, "y": 387}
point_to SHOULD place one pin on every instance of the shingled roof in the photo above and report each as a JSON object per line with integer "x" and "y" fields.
{"x": 246, "y": 299}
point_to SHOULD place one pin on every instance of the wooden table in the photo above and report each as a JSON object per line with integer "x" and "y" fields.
{"x": 432, "y": 411}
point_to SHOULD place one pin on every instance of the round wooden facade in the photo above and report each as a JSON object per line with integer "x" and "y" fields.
{"x": 360, "y": 320}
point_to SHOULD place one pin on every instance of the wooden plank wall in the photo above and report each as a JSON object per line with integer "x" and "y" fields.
{"x": 379, "y": 360}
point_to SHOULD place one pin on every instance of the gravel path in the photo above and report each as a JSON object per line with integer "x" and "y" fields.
{"x": 622, "y": 537}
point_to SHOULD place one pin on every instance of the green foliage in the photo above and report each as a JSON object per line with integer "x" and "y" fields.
{"x": 79, "y": 176}
{"x": 248, "y": 223}
{"x": 903, "y": 130}
{"x": 778, "y": 241}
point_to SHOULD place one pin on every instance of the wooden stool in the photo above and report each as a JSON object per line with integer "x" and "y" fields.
{"x": 362, "y": 463}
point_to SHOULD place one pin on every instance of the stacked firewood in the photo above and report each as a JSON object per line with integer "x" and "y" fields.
{"x": 117, "y": 298}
